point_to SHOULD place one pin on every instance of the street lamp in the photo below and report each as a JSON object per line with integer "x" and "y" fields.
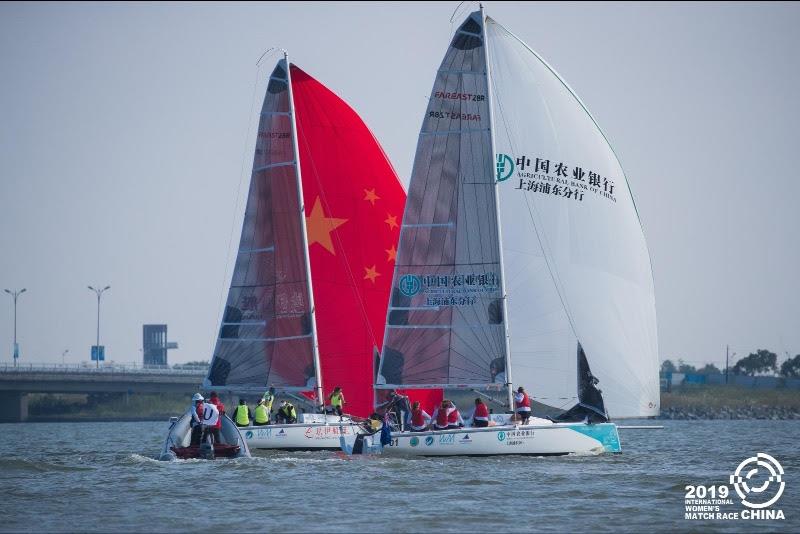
{"x": 63, "y": 355}
{"x": 99, "y": 293}
{"x": 14, "y": 295}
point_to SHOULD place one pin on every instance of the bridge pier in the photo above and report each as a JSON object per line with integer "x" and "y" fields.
{"x": 13, "y": 407}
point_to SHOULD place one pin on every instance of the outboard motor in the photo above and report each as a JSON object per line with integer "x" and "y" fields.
{"x": 207, "y": 450}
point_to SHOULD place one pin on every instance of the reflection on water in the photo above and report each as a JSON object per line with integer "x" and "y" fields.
{"x": 103, "y": 476}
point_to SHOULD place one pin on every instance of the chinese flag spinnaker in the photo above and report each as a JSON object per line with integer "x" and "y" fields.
{"x": 353, "y": 205}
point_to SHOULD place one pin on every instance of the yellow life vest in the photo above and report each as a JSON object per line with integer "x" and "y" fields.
{"x": 337, "y": 399}
{"x": 241, "y": 416}
{"x": 289, "y": 411}
{"x": 262, "y": 415}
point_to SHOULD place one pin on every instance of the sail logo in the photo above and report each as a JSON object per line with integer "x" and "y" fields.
{"x": 772, "y": 472}
{"x": 429, "y": 441}
{"x": 505, "y": 167}
{"x": 282, "y": 433}
{"x": 466, "y": 439}
{"x": 410, "y": 285}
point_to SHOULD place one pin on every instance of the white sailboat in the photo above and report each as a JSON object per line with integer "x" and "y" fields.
{"x": 522, "y": 260}
{"x": 307, "y": 300}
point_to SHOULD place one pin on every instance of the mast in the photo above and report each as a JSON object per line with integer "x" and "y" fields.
{"x": 493, "y": 163}
{"x": 303, "y": 231}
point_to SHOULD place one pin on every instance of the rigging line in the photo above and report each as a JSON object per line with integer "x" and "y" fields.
{"x": 238, "y": 194}
{"x": 337, "y": 237}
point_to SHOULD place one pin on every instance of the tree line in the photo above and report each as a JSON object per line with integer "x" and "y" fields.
{"x": 761, "y": 362}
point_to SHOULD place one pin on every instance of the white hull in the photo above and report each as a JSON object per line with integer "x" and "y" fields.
{"x": 533, "y": 439}
{"x": 316, "y": 432}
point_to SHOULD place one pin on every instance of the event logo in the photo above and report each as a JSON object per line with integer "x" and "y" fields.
{"x": 429, "y": 441}
{"x": 756, "y": 468}
{"x": 410, "y": 285}
{"x": 505, "y": 167}
{"x": 501, "y": 436}
{"x": 758, "y": 481}
{"x": 248, "y": 434}
{"x": 414, "y": 441}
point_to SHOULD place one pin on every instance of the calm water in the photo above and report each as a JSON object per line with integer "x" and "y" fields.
{"x": 102, "y": 477}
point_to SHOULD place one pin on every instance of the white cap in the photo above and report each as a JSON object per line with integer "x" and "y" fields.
{"x": 197, "y": 397}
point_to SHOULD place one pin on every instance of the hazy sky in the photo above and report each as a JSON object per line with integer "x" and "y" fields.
{"x": 124, "y": 130}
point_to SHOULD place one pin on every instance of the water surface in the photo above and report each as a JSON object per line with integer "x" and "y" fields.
{"x": 61, "y": 477}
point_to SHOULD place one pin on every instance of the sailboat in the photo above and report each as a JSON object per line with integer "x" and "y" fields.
{"x": 307, "y": 300}
{"x": 522, "y": 261}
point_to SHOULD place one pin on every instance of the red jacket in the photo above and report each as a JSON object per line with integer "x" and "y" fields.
{"x": 418, "y": 418}
{"x": 441, "y": 418}
{"x": 481, "y": 412}
{"x": 525, "y": 402}
{"x": 221, "y": 408}
{"x": 452, "y": 417}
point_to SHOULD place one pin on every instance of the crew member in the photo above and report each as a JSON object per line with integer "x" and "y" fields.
{"x": 440, "y": 416}
{"x": 480, "y": 417}
{"x": 269, "y": 398}
{"x": 454, "y": 419}
{"x": 196, "y": 423}
{"x": 262, "y": 414}
{"x": 242, "y": 415}
{"x": 336, "y": 400}
{"x": 419, "y": 418}
{"x": 523, "y": 405}
{"x": 215, "y": 400}
{"x": 286, "y": 413}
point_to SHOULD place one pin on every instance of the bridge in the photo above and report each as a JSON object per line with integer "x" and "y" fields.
{"x": 17, "y": 382}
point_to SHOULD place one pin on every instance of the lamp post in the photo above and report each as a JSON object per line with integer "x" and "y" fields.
{"x": 99, "y": 293}
{"x": 15, "y": 295}
{"x": 63, "y": 356}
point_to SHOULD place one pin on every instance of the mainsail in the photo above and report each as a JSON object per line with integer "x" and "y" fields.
{"x": 352, "y": 202}
{"x": 266, "y": 332}
{"x": 445, "y": 325}
{"x": 574, "y": 263}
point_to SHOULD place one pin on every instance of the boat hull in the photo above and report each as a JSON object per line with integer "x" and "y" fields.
{"x": 177, "y": 443}
{"x": 535, "y": 440}
{"x": 318, "y": 434}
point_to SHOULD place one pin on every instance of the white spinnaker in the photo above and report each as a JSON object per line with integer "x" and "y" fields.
{"x": 576, "y": 262}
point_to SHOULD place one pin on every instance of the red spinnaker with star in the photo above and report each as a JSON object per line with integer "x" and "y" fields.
{"x": 354, "y": 204}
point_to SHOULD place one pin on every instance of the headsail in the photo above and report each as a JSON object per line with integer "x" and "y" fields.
{"x": 445, "y": 321}
{"x": 265, "y": 336}
{"x": 574, "y": 248}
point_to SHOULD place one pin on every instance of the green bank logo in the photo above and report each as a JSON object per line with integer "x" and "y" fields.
{"x": 414, "y": 441}
{"x": 505, "y": 167}
{"x": 501, "y": 436}
{"x": 410, "y": 285}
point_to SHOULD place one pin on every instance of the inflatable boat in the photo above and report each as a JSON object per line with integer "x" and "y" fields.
{"x": 178, "y": 446}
